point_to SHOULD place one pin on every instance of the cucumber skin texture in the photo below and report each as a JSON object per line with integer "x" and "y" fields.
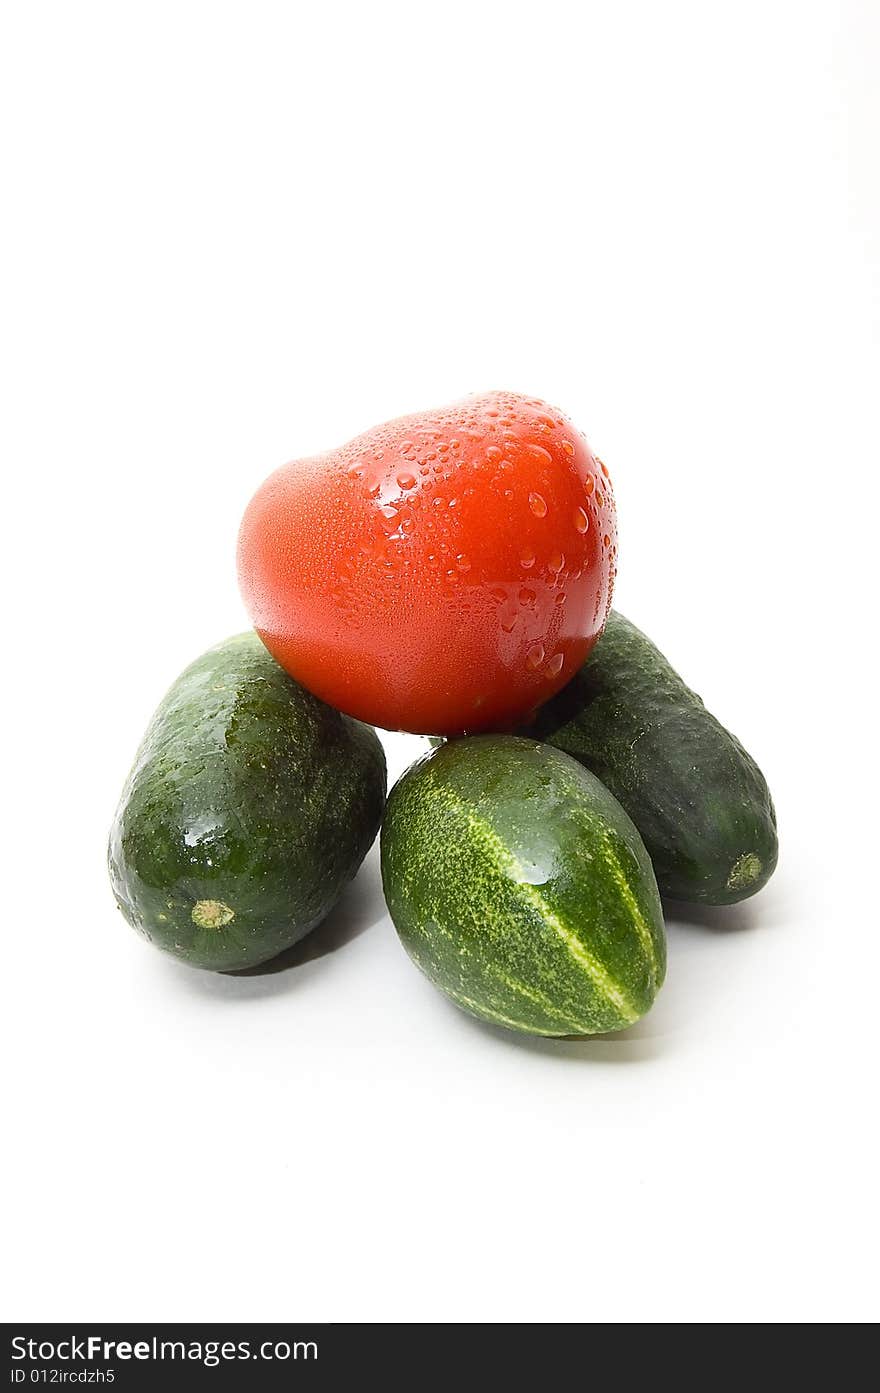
{"x": 247, "y": 795}
{"x": 698, "y": 798}
{"x": 507, "y": 869}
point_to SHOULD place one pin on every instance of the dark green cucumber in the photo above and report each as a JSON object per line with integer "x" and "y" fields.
{"x": 521, "y": 888}
{"x": 699, "y": 800}
{"x": 249, "y": 806}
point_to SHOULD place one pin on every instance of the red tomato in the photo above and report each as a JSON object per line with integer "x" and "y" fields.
{"x": 443, "y": 573}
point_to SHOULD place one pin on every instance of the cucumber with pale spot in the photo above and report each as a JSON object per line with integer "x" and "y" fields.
{"x": 522, "y": 889}
{"x": 250, "y": 805}
{"x": 698, "y": 798}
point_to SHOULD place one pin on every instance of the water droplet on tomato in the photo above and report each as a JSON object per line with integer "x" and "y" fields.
{"x": 568, "y": 447}
{"x": 589, "y": 485}
{"x": 556, "y": 561}
{"x": 462, "y": 562}
{"x": 526, "y": 596}
{"x": 581, "y": 521}
{"x": 406, "y": 480}
{"x": 535, "y": 656}
{"x": 537, "y": 505}
{"x": 554, "y": 667}
{"x": 527, "y": 557}
{"x": 540, "y": 453}
{"x": 606, "y": 540}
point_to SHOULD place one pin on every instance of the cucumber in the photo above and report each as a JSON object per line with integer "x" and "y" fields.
{"x": 699, "y": 800}
{"x": 521, "y": 888}
{"x": 249, "y": 806}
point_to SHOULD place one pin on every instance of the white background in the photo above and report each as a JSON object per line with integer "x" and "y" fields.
{"x": 236, "y": 233}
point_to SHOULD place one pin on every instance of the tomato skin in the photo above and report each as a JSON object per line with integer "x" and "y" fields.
{"x": 444, "y": 573}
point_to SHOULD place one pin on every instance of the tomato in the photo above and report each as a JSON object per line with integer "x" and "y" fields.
{"x": 445, "y": 572}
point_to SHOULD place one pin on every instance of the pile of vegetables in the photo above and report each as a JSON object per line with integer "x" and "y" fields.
{"x": 449, "y": 574}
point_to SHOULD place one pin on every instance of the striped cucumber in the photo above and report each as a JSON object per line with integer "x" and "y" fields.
{"x": 522, "y": 889}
